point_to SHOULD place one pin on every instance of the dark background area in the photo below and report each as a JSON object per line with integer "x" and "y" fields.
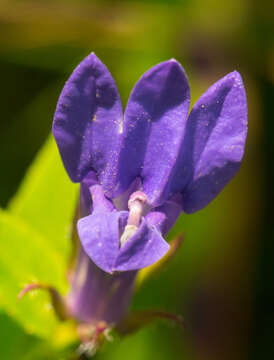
{"x": 222, "y": 280}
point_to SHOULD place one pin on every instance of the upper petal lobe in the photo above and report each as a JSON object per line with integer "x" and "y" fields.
{"x": 87, "y": 122}
{"x": 214, "y": 142}
{"x": 153, "y": 128}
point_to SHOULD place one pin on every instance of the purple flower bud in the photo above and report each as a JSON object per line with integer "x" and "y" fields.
{"x": 139, "y": 170}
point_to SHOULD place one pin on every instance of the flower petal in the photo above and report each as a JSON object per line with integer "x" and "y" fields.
{"x": 144, "y": 248}
{"x": 87, "y": 122}
{"x": 165, "y": 216}
{"x": 85, "y": 195}
{"x": 99, "y": 235}
{"x": 214, "y": 143}
{"x": 154, "y": 124}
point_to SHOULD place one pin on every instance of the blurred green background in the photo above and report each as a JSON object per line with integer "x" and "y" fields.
{"x": 222, "y": 279}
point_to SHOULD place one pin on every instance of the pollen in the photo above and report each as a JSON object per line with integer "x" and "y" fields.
{"x": 120, "y": 126}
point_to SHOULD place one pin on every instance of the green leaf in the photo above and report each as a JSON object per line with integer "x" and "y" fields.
{"x": 14, "y": 341}
{"x": 26, "y": 256}
{"x": 46, "y": 198}
{"x": 35, "y": 240}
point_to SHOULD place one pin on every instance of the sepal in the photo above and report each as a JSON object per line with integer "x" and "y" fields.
{"x": 57, "y": 301}
{"x": 139, "y": 319}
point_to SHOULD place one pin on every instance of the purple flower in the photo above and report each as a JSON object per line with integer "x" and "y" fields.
{"x": 140, "y": 169}
{"x": 156, "y": 155}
